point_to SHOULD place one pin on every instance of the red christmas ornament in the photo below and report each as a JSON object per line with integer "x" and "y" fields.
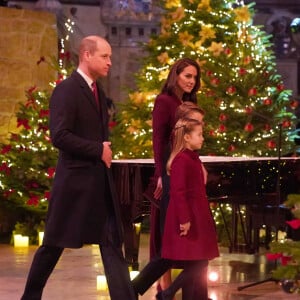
{"x": 267, "y": 101}
{"x": 112, "y": 124}
{"x": 209, "y": 73}
{"x": 227, "y": 51}
{"x": 222, "y": 128}
{"x": 248, "y": 110}
{"x": 252, "y": 92}
{"x": 33, "y": 200}
{"x": 249, "y": 127}
{"x": 280, "y": 87}
{"x": 286, "y": 123}
{"x": 215, "y": 81}
{"x": 231, "y": 90}
{"x": 242, "y": 71}
{"x": 47, "y": 195}
{"x": 271, "y": 144}
{"x": 231, "y": 148}
{"x": 51, "y": 172}
{"x": 222, "y": 117}
{"x": 212, "y": 133}
{"x": 294, "y": 104}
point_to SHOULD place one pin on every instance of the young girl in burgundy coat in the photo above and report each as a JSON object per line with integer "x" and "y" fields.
{"x": 189, "y": 233}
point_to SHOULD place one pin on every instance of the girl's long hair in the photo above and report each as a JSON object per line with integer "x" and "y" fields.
{"x": 183, "y": 126}
{"x": 171, "y": 82}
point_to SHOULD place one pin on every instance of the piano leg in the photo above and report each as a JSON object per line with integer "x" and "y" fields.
{"x": 238, "y": 222}
{"x": 226, "y": 226}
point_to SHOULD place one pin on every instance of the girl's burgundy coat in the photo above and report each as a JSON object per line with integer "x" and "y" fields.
{"x": 188, "y": 203}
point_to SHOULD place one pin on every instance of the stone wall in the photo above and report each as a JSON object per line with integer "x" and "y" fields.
{"x": 25, "y": 37}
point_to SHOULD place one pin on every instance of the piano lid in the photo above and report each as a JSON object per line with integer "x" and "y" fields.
{"x": 207, "y": 159}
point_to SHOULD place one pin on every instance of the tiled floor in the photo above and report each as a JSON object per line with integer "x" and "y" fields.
{"x": 75, "y": 275}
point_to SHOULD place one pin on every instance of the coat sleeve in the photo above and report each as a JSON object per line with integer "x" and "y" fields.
{"x": 178, "y": 189}
{"x": 160, "y": 136}
{"x": 68, "y": 130}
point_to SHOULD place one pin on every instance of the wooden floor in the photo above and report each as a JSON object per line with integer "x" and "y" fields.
{"x": 75, "y": 275}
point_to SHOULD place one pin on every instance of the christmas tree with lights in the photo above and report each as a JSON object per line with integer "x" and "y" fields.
{"x": 246, "y": 104}
{"x": 27, "y": 158}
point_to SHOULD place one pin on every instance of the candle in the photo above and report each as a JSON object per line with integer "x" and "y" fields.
{"x": 21, "y": 241}
{"x": 101, "y": 283}
{"x": 41, "y": 236}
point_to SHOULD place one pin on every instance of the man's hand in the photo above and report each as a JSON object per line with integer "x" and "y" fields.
{"x": 184, "y": 228}
{"x": 107, "y": 154}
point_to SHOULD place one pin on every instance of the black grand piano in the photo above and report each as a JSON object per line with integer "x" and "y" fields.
{"x": 254, "y": 188}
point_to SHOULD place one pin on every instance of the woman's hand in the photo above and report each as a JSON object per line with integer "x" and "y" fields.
{"x": 158, "y": 191}
{"x": 205, "y": 173}
{"x": 184, "y": 228}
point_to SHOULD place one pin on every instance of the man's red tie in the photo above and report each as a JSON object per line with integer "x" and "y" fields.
{"x": 95, "y": 92}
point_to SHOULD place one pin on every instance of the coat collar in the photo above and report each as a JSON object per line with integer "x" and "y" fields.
{"x": 191, "y": 153}
{"x": 88, "y": 80}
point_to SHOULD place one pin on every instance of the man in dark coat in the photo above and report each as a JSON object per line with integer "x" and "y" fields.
{"x": 83, "y": 208}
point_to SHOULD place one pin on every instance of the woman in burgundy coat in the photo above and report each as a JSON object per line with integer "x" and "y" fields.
{"x": 182, "y": 84}
{"x": 189, "y": 234}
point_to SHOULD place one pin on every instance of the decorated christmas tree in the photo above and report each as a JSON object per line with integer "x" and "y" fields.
{"x": 27, "y": 158}
{"x": 246, "y": 104}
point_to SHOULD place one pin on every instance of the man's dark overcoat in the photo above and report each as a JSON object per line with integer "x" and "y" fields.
{"x": 83, "y": 198}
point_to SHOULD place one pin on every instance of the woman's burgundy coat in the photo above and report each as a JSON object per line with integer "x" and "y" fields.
{"x": 83, "y": 195}
{"x": 188, "y": 203}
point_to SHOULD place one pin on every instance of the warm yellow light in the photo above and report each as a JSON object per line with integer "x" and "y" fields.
{"x": 21, "y": 241}
{"x": 41, "y": 237}
{"x": 213, "y": 276}
{"x": 101, "y": 283}
{"x": 137, "y": 227}
{"x": 133, "y": 274}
